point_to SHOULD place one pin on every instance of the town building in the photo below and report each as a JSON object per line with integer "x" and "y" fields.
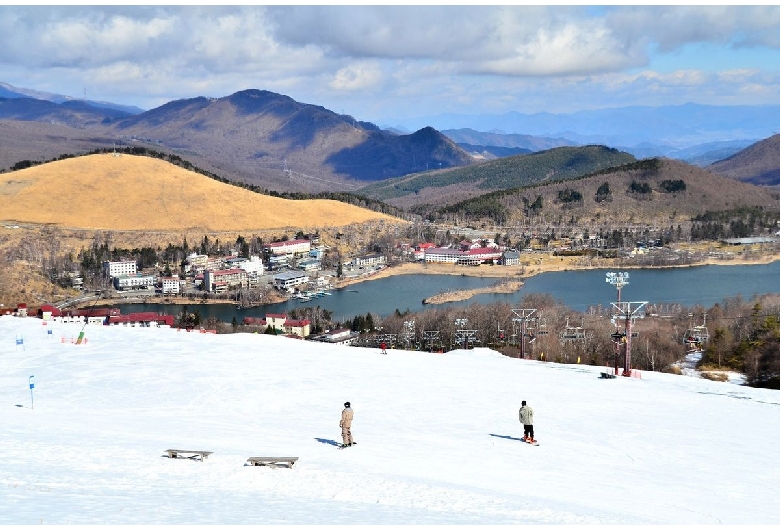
{"x": 343, "y": 336}
{"x": 137, "y": 280}
{"x": 281, "y": 324}
{"x": 309, "y": 264}
{"x": 170, "y": 285}
{"x": 286, "y": 281}
{"x": 294, "y": 246}
{"x": 141, "y": 320}
{"x": 511, "y": 257}
{"x": 369, "y": 260}
{"x": 473, "y": 256}
{"x": 220, "y": 281}
{"x": 119, "y": 268}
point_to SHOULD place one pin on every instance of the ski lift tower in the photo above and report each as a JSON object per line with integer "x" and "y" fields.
{"x": 524, "y": 317}
{"x": 629, "y": 311}
{"x": 464, "y": 334}
{"x": 619, "y": 280}
{"x": 409, "y": 333}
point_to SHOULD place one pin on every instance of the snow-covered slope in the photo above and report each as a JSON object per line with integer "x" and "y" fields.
{"x": 438, "y": 436}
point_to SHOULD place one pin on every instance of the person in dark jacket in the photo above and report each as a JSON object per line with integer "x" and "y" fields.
{"x": 346, "y": 425}
{"x": 527, "y": 419}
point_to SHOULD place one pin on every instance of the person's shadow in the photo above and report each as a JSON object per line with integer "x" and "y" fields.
{"x": 507, "y": 437}
{"x": 328, "y": 442}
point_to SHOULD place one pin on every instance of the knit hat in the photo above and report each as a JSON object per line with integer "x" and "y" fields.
{"x": 346, "y": 404}
{"x": 523, "y": 403}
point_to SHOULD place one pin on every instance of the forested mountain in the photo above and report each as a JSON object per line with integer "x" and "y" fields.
{"x": 453, "y": 185}
{"x": 660, "y": 191}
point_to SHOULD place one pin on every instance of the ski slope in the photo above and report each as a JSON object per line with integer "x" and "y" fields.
{"x": 438, "y": 436}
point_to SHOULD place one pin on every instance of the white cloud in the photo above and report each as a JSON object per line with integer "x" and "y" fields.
{"x": 359, "y": 76}
{"x": 415, "y": 59}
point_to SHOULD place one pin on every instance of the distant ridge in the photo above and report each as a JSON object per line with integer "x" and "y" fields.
{"x": 758, "y": 164}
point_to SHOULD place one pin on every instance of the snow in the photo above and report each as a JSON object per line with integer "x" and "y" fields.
{"x": 438, "y": 436}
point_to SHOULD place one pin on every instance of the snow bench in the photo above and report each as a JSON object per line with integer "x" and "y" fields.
{"x": 184, "y": 453}
{"x": 272, "y": 461}
{"x": 607, "y": 375}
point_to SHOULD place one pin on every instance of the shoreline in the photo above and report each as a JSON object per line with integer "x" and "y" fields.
{"x": 512, "y": 275}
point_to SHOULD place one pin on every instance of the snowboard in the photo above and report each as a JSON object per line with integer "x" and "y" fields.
{"x": 535, "y": 442}
{"x": 345, "y": 446}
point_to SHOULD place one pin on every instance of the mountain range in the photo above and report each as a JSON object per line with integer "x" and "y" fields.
{"x": 271, "y": 141}
{"x": 254, "y": 136}
{"x": 666, "y": 128}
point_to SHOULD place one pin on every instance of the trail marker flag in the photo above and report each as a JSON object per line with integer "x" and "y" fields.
{"x": 32, "y": 386}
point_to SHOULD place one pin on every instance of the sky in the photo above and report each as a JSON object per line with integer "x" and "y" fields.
{"x": 438, "y": 435}
{"x": 387, "y": 63}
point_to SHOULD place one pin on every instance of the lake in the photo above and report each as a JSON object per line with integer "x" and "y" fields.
{"x": 703, "y": 285}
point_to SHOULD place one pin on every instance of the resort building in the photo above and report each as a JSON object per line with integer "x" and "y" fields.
{"x": 119, "y": 268}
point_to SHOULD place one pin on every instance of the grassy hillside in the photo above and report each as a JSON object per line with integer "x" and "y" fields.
{"x": 448, "y": 186}
{"x": 654, "y": 190}
{"x": 140, "y": 193}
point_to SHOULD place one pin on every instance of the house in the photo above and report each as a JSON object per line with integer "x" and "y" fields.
{"x": 511, "y": 257}
{"x": 280, "y": 323}
{"x": 275, "y": 320}
{"x": 299, "y": 328}
{"x": 310, "y": 264}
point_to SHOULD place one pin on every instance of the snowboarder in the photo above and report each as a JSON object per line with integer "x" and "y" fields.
{"x": 527, "y": 419}
{"x": 384, "y": 348}
{"x": 346, "y": 424}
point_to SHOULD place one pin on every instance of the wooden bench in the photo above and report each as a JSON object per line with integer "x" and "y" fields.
{"x": 185, "y": 453}
{"x": 272, "y": 461}
{"x": 607, "y": 375}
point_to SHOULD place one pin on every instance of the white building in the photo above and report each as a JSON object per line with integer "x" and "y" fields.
{"x": 294, "y": 246}
{"x": 170, "y": 285}
{"x": 222, "y": 280}
{"x": 287, "y": 280}
{"x": 252, "y": 266}
{"x": 119, "y": 268}
{"x": 134, "y": 281}
{"x": 369, "y": 260}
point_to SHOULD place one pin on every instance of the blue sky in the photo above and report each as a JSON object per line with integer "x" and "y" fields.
{"x": 384, "y": 64}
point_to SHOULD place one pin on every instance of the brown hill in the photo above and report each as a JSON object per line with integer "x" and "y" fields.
{"x": 138, "y": 193}
{"x": 758, "y": 164}
{"x": 652, "y": 191}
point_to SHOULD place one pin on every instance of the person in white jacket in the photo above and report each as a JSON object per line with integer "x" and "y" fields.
{"x": 527, "y": 419}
